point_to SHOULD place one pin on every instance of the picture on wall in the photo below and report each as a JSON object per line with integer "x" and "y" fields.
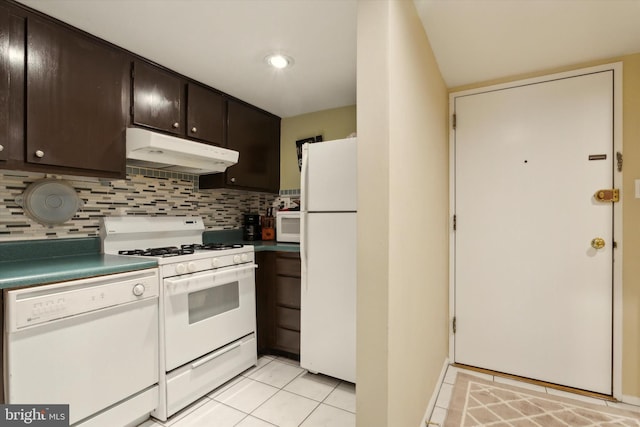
{"x": 300, "y": 142}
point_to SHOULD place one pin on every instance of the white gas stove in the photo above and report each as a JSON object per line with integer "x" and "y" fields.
{"x": 207, "y": 303}
{"x": 175, "y": 242}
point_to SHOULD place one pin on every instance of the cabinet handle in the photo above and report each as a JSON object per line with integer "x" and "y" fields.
{"x": 194, "y": 129}
{"x": 1, "y": 147}
{"x": 39, "y": 154}
{"x": 233, "y": 180}
{"x": 176, "y": 125}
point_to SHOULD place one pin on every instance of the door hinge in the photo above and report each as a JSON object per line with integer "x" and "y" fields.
{"x": 619, "y": 158}
{"x": 615, "y": 245}
{"x": 133, "y": 72}
{"x": 131, "y": 110}
{"x": 454, "y": 121}
{"x": 455, "y": 223}
{"x": 454, "y": 326}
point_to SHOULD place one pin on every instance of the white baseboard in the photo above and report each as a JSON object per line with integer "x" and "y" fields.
{"x": 631, "y": 400}
{"x": 434, "y": 395}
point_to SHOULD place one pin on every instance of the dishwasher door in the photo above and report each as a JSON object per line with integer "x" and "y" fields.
{"x": 89, "y": 343}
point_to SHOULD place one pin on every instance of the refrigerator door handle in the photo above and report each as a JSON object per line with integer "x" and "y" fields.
{"x": 304, "y": 180}
{"x": 303, "y": 250}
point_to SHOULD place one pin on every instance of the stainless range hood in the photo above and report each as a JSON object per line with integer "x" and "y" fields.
{"x": 155, "y": 150}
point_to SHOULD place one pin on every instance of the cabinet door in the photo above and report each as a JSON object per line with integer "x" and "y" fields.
{"x": 265, "y": 300}
{"x": 287, "y": 336}
{"x": 157, "y": 99}
{"x": 4, "y": 82}
{"x": 205, "y": 114}
{"x": 256, "y": 135}
{"x": 77, "y": 93}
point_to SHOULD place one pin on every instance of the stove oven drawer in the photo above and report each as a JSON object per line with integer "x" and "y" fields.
{"x": 192, "y": 381}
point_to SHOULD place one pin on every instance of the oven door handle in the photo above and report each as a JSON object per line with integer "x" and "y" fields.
{"x": 212, "y": 356}
{"x": 175, "y": 286}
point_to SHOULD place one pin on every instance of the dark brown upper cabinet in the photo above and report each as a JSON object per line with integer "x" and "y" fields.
{"x": 157, "y": 99}
{"x": 77, "y": 100}
{"x": 205, "y": 114}
{"x": 5, "y": 63}
{"x": 256, "y": 135}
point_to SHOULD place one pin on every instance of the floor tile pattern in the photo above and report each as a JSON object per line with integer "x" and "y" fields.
{"x": 276, "y": 392}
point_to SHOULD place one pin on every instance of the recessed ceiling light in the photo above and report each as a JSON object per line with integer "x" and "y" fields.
{"x": 279, "y": 61}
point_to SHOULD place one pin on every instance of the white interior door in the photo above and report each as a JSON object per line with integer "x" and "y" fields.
{"x": 532, "y": 296}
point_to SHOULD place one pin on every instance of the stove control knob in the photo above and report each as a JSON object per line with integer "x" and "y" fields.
{"x": 245, "y": 258}
{"x": 181, "y": 269}
{"x": 215, "y": 262}
{"x": 236, "y": 259}
{"x": 138, "y": 289}
{"x": 191, "y": 267}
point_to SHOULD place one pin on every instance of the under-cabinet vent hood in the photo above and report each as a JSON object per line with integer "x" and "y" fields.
{"x": 159, "y": 151}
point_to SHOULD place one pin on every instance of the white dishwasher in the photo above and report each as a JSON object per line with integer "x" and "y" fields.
{"x": 90, "y": 343}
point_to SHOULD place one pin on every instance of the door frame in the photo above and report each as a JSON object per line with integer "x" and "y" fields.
{"x": 617, "y": 211}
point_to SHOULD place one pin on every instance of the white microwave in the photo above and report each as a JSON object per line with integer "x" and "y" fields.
{"x": 288, "y": 226}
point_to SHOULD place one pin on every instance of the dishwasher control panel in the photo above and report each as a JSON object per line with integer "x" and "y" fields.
{"x": 36, "y": 305}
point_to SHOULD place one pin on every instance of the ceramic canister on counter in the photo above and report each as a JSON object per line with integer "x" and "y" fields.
{"x": 251, "y": 227}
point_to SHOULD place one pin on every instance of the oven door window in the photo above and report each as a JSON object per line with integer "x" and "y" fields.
{"x": 211, "y": 302}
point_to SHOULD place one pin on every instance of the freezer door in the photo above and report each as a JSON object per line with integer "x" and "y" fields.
{"x": 328, "y": 298}
{"x": 330, "y": 181}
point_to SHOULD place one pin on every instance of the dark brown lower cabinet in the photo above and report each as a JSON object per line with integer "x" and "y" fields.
{"x": 278, "y": 303}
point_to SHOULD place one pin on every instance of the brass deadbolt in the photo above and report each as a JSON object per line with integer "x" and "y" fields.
{"x": 607, "y": 195}
{"x": 597, "y": 243}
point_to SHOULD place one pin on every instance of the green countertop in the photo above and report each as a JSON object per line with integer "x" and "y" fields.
{"x": 50, "y": 270}
{"x": 35, "y": 262}
{"x": 235, "y": 236}
{"x": 271, "y": 245}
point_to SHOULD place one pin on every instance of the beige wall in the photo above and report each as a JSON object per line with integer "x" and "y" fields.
{"x": 336, "y": 123}
{"x": 402, "y": 206}
{"x": 372, "y": 300}
{"x": 630, "y": 212}
{"x": 631, "y": 230}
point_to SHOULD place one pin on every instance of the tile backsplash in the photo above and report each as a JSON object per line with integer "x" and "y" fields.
{"x": 144, "y": 192}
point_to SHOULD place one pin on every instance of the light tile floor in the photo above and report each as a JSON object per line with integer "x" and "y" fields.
{"x": 444, "y": 395}
{"x": 276, "y": 392}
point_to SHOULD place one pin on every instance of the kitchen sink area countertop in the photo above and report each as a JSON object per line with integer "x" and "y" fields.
{"x": 235, "y": 237}
{"x": 35, "y": 262}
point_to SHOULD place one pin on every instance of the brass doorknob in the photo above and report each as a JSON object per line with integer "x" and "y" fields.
{"x": 597, "y": 243}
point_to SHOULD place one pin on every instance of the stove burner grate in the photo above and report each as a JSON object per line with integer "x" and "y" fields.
{"x": 212, "y": 246}
{"x": 170, "y": 251}
{"x": 159, "y": 252}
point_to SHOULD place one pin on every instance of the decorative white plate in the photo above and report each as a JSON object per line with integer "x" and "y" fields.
{"x": 50, "y": 201}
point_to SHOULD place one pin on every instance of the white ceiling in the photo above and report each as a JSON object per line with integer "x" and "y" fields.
{"x": 478, "y": 40}
{"x": 222, "y": 43}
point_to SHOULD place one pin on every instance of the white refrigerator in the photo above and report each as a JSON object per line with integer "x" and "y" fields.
{"x": 328, "y": 255}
